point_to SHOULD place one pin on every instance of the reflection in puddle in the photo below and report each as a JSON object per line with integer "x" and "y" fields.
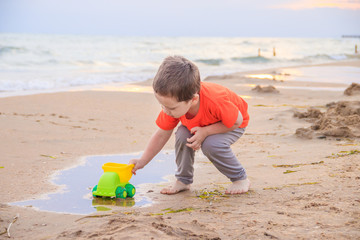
{"x": 99, "y": 203}
{"x": 312, "y": 88}
{"x": 246, "y": 97}
{"x": 322, "y": 74}
{"x": 335, "y": 89}
{"x": 125, "y": 88}
{"x": 328, "y": 74}
{"x": 275, "y": 76}
{"x": 76, "y": 197}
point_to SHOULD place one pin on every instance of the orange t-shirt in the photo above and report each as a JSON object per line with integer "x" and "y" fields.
{"x": 217, "y": 104}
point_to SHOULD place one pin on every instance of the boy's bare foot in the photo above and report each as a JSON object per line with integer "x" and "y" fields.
{"x": 238, "y": 187}
{"x": 175, "y": 188}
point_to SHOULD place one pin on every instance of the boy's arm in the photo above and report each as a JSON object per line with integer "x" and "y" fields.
{"x": 155, "y": 144}
{"x": 200, "y": 133}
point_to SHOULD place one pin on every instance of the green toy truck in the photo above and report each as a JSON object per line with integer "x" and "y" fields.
{"x": 114, "y": 182}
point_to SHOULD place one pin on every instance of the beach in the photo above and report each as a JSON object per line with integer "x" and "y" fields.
{"x": 301, "y": 187}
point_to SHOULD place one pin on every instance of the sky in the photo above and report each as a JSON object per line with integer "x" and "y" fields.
{"x": 209, "y": 18}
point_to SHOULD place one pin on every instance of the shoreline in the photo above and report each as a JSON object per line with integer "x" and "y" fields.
{"x": 72, "y": 125}
{"x": 340, "y": 63}
{"x": 98, "y": 87}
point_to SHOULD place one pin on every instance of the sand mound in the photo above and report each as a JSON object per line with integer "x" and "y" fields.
{"x": 341, "y": 119}
{"x": 304, "y": 133}
{"x": 268, "y": 89}
{"x": 311, "y": 113}
{"x": 353, "y": 89}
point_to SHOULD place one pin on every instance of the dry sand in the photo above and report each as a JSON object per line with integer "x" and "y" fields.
{"x": 301, "y": 188}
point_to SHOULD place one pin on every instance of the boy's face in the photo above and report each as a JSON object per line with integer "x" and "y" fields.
{"x": 172, "y": 107}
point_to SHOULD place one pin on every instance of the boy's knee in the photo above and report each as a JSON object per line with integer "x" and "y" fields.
{"x": 212, "y": 146}
{"x": 182, "y": 134}
{"x": 208, "y": 147}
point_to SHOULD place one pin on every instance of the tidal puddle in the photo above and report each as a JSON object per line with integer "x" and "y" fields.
{"x": 77, "y": 182}
{"x": 320, "y": 74}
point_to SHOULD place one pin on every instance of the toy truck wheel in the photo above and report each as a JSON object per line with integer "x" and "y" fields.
{"x": 121, "y": 192}
{"x": 130, "y": 189}
{"x": 93, "y": 190}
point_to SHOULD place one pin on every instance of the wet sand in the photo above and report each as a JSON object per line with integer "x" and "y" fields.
{"x": 301, "y": 188}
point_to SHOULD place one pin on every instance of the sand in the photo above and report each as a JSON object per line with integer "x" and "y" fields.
{"x": 302, "y": 188}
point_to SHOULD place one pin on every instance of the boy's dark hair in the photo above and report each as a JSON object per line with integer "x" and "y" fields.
{"x": 177, "y": 77}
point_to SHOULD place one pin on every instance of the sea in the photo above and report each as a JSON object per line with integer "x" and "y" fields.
{"x": 39, "y": 62}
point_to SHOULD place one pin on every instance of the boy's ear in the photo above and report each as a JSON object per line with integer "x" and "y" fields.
{"x": 195, "y": 97}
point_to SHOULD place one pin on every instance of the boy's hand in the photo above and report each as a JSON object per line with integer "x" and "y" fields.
{"x": 196, "y": 140}
{"x": 137, "y": 165}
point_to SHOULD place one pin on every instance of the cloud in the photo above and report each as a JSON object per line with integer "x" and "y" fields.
{"x": 310, "y": 4}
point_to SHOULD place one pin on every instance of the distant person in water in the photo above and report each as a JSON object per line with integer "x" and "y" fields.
{"x": 212, "y": 118}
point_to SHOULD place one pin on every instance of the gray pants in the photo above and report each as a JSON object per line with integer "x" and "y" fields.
{"x": 215, "y": 147}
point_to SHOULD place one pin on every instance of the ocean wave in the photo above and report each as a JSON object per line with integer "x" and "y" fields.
{"x": 247, "y": 42}
{"x": 10, "y": 49}
{"x": 47, "y": 80}
{"x": 84, "y": 62}
{"x": 325, "y": 57}
{"x": 321, "y": 57}
{"x": 252, "y": 60}
{"x": 352, "y": 56}
{"x": 305, "y": 59}
{"x": 35, "y": 53}
{"x": 211, "y": 61}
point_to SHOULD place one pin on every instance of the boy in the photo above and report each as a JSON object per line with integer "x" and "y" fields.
{"x": 212, "y": 117}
